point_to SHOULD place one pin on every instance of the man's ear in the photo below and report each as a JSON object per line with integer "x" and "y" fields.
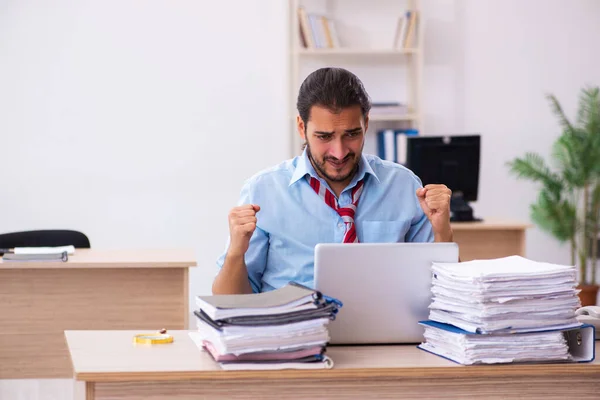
{"x": 301, "y": 128}
{"x": 366, "y": 124}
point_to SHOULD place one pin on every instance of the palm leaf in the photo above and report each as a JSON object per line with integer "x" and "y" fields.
{"x": 558, "y": 111}
{"x": 557, "y": 217}
{"x": 567, "y": 152}
{"x": 589, "y": 120}
{"x": 533, "y": 167}
{"x": 588, "y": 113}
{"x": 588, "y": 132}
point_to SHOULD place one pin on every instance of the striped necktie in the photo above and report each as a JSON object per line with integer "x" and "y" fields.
{"x": 346, "y": 212}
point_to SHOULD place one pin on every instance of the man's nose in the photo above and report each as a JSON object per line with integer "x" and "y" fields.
{"x": 338, "y": 150}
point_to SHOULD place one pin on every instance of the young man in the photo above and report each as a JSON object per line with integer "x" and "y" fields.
{"x": 332, "y": 193}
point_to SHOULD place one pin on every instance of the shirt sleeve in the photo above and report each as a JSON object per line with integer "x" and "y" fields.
{"x": 421, "y": 229}
{"x": 256, "y": 256}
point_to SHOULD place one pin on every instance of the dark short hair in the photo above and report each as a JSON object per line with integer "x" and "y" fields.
{"x": 333, "y": 88}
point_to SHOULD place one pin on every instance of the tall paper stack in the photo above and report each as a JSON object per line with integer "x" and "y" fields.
{"x": 504, "y": 310}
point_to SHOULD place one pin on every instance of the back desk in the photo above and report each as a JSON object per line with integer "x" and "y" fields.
{"x": 491, "y": 238}
{"x": 93, "y": 290}
{"x": 112, "y": 367}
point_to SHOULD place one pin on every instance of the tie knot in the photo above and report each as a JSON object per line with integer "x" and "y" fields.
{"x": 347, "y": 212}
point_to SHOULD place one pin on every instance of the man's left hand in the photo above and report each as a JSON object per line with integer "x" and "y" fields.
{"x": 435, "y": 202}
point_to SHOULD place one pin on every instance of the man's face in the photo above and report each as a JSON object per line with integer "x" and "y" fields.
{"x": 334, "y": 141}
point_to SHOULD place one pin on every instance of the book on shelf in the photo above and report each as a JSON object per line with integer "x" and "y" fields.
{"x": 407, "y": 30}
{"x": 317, "y": 31}
{"x": 392, "y": 144}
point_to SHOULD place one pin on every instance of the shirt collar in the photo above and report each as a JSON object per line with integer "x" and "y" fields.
{"x": 304, "y": 167}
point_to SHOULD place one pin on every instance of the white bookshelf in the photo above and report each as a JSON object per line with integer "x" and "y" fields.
{"x": 366, "y": 34}
{"x": 394, "y": 117}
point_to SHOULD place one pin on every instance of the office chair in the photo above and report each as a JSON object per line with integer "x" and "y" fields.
{"x": 42, "y": 238}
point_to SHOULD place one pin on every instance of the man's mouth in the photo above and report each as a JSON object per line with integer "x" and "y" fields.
{"x": 338, "y": 163}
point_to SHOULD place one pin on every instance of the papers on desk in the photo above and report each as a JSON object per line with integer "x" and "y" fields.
{"x": 466, "y": 348}
{"x": 290, "y": 297}
{"x": 284, "y": 328}
{"x": 45, "y": 250}
{"x": 504, "y": 310}
{"x": 509, "y": 294}
{"x": 34, "y": 254}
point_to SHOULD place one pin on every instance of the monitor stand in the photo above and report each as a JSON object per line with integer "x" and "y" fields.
{"x": 460, "y": 210}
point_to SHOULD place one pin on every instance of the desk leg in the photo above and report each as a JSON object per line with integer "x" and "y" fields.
{"x": 186, "y": 295}
{"x": 522, "y": 243}
{"x": 90, "y": 391}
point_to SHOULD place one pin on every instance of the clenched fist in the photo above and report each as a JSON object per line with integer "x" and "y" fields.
{"x": 435, "y": 202}
{"x": 242, "y": 223}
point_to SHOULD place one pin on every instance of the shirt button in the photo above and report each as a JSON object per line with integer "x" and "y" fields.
{"x": 340, "y": 225}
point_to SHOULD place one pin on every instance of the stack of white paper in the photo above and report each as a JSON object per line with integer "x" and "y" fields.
{"x": 511, "y": 294}
{"x": 285, "y": 328}
{"x": 467, "y": 349}
{"x": 239, "y": 340}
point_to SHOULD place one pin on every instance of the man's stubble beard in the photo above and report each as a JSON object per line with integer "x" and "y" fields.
{"x": 321, "y": 167}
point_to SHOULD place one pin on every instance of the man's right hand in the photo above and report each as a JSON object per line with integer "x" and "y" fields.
{"x": 242, "y": 223}
{"x": 233, "y": 277}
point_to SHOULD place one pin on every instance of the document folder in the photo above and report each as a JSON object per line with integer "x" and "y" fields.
{"x": 580, "y": 341}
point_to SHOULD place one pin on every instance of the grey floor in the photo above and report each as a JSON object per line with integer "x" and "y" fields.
{"x": 41, "y": 389}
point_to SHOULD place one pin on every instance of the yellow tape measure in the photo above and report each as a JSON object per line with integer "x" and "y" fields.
{"x": 160, "y": 337}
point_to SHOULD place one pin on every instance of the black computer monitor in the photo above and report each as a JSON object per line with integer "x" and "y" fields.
{"x": 451, "y": 160}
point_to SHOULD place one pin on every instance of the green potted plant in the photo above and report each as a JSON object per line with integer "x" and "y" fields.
{"x": 568, "y": 204}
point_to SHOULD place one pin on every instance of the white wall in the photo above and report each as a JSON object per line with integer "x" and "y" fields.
{"x": 136, "y": 122}
{"x": 515, "y": 53}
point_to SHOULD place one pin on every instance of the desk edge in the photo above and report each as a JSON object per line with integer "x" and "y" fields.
{"x": 478, "y": 371}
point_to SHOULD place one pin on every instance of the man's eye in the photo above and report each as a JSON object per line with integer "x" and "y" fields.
{"x": 353, "y": 134}
{"x": 324, "y": 137}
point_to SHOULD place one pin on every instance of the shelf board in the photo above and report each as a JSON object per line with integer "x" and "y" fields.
{"x": 386, "y": 117}
{"x": 392, "y": 117}
{"x": 354, "y": 51}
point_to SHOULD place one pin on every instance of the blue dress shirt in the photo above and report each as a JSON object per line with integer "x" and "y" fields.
{"x": 293, "y": 219}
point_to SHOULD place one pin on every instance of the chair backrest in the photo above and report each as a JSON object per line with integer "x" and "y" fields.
{"x": 42, "y": 238}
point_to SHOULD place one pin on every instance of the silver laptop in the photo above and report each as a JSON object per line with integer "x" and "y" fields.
{"x": 385, "y": 288}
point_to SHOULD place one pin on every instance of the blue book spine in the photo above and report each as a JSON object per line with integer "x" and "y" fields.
{"x": 386, "y": 145}
{"x": 401, "y": 145}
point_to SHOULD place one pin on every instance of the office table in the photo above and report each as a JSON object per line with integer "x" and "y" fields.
{"x": 93, "y": 290}
{"x": 115, "y": 368}
{"x": 491, "y": 238}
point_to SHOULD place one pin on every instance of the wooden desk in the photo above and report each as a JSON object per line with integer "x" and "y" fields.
{"x": 93, "y": 290}
{"x": 115, "y": 368}
{"x": 489, "y": 239}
